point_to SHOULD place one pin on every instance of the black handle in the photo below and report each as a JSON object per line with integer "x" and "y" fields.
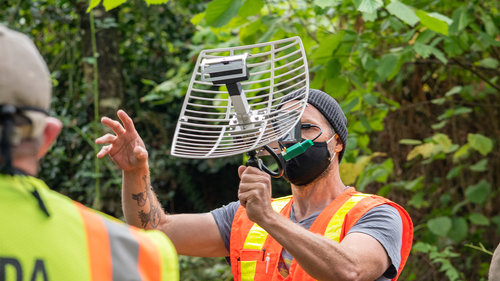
{"x": 253, "y": 161}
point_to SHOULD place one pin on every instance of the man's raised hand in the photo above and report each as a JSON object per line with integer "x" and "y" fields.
{"x": 126, "y": 147}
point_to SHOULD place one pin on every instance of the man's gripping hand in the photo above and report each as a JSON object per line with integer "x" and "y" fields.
{"x": 255, "y": 193}
{"x": 126, "y": 148}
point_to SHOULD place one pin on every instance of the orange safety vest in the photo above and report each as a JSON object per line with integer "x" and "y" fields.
{"x": 102, "y": 258}
{"x": 248, "y": 240}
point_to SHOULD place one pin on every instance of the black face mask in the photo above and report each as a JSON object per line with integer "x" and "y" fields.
{"x": 307, "y": 166}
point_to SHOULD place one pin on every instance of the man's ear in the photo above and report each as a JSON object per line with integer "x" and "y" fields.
{"x": 52, "y": 130}
{"x": 338, "y": 144}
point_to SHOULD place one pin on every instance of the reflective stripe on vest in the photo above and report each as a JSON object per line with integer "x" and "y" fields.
{"x": 335, "y": 225}
{"x": 257, "y": 235}
{"x": 255, "y": 241}
{"x": 116, "y": 253}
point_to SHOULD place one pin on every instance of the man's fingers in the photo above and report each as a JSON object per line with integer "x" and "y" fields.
{"x": 104, "y": 151}
{"x": 126, "y": 120}
{"x": 243, "y": 199}
{"x": 113, "y": 125}
{"x": 241, "y": 169}
{"x": 107, "y": 138}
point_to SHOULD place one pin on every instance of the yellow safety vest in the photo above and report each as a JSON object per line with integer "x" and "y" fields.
{"x": 47, "y": 236}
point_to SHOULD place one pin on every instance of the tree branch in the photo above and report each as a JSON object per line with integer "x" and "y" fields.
{"x": 478, "y": 74}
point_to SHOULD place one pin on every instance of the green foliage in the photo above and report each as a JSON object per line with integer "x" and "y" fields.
{"x": 220, "y": 12}
{"x": 418, "y": 81}
{"x": 478, "y": 193}
{"x": 440, "y": 225}
{"x": 194, "y": 268}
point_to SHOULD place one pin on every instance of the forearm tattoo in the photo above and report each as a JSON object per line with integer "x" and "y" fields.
{"x": 154, "y": 215}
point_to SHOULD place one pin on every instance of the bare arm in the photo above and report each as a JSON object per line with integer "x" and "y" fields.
{"x": 357, "y": 257}
{"x": 191, "y": 234}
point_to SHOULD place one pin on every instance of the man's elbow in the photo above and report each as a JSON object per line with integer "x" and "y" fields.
{"x": 346, "y": 274}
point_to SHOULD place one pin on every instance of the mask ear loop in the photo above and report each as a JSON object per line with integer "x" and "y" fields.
{"x": 335, "y": 152}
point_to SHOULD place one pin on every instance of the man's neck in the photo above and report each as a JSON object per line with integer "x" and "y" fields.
{"x": 28, "y": 165}
{"x": 314, "y": 197}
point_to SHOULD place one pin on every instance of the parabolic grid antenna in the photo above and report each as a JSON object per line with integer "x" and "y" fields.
{"x": 231, "y": 106}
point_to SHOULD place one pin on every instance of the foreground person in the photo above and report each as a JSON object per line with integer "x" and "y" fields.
{"x": 43, "y": 234}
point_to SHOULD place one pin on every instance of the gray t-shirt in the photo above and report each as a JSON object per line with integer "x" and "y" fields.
{"x": 382, "y": 223}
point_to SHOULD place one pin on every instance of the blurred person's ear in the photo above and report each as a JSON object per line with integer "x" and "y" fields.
{"x": 52, "y": 130}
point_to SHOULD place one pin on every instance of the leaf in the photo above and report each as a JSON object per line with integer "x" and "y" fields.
{"x": 425, "y": 150}
{"x": 454, "y": 172}
{"x": 438, "y": 101}
{"x": 384, "y": 190}
{"x": 417, "y": 200}
{"x": 387, "y": 65}
{"x": 439, "y": 55}
{"x": 250, "y": 8}
{"x": 462, "y": 152}
{"x": 496, "y": 220}
{"x": 111, "y": 4}
{"x": 250, "y": 29}
{"x": 369, "y": 6}
{"x": 410, "y": 142}
{"x": 479, "y": 219}
{"x": 441, "y": 17}
{"x": 480, "y": 143}
{"x": 423, "y": 50}
{"x": 328, "y": 45}
{"x": 403, "y": 12}
{"x": 454, "y": 90}
{"x": 346, "y": 109}
{"x": 478, "y": 193}
{"x": 327, "y": 3}
{"x": 93, "y": 4}
{"x": 439, "y": 125}
{"x": 415, "y": 184}
{"x": 220, "y": 12}
{"x": 333, "y": 69}
{"x": 489, "y": 24}
{"x": 489, "y": 40}
{"x": 440, "y": 226}
{"x": 156, "y": 2}
{"x": 197, "y": 18}
{"x": 462, "y": 110}
{"x": 460, "y": 20}
{"x": 454, "y": 111}
{"x": 370, "y": 17}
{"x": 458, "y": 229}
{"x": 432, "y": 23}
{"x": 350, "y": 171}
{"x": 489, "y": 63}
{"x": 479, "y": 166}
{"x": 370, "y": 99}
{"x": 443, "y": 140}
{"x": 148, "y": 82}
{"x": 423, "y": 247}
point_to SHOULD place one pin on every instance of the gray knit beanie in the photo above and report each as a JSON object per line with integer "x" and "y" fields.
{"x": 329, "y": 107}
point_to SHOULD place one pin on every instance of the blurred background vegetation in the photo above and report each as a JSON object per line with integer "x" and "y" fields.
{"x": 417, "y": 79}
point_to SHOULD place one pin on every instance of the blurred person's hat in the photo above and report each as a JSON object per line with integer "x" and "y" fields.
{"x": 25, "y": 86}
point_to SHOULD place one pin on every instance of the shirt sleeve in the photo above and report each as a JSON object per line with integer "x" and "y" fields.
{"x": 384, "y": 224}
{"x": 224, "y": 218}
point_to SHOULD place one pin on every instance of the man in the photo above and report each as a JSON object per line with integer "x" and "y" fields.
{"x": 325, "y": 231}
{"x": 43, "y": 234}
